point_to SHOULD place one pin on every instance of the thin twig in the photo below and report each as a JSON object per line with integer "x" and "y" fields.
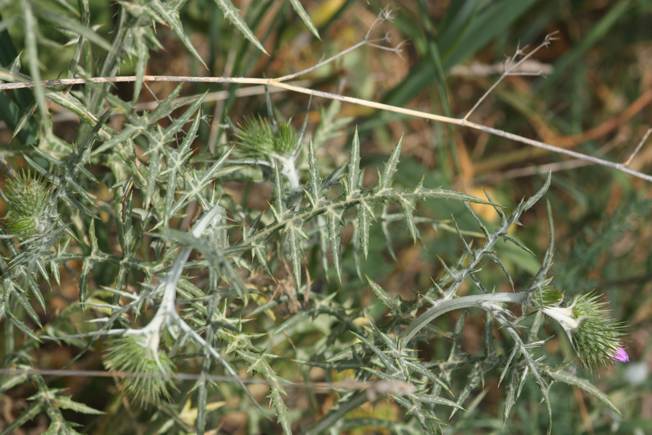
{"x": 212, "y": 97}
{"x": 592, "y": 134}
{"x": 509, "y": 68}
{"x": 469, "y": 124}
{"x": 534, "y": 170}
{"x": 638, "y": 147}
{"x": 345, "y": 99}
{"x": 527, "y": 68}
{"x": 364, "y": 42}
{"x": 556, "y": 166}
{"x": 323, "y": 62}
{"x": 384, "y": 16}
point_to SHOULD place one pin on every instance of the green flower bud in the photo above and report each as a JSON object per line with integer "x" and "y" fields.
{"x": 148, "y": 371}
{"x": 595, "y": 336}
{"x": 28, "y": 206}
{"x": 598, "y": 337}
{"x": 259, "y": 136}
{"x": 285, "y": 139}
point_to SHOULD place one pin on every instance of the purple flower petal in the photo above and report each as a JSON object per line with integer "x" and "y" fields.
{"x": 621, "y": 355}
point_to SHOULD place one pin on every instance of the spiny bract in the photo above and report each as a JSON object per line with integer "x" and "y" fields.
{"x": 148, "y": 372}
{"x": 28, "y": 201}
{"x": 547, "y": 297}
{"x": 597, "y": 338}
{"x": 260, "y": 136}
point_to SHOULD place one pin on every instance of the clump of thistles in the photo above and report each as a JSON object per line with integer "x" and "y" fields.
{"x": 594, "y": 335}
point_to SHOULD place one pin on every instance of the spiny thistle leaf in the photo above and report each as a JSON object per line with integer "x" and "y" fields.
{"x": 315, "y": 179}
{"x": 354, "y": 165}
{"x": 570, "y": 379}
{"x": 294, "y": 243}
{"x": 390, "y": 166}
{"x": 363, "y": 229}
{"x": 170, "y": 16}
{"x": 299, "y": 9}
{"x": 231, "y": 13}
{"x": 333, "y": 232}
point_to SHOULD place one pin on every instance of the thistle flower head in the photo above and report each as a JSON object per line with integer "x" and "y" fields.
{"x": 27, "y": 206}
{"x": 259, "y": 136}
{"x": 148, "y": 371}
{"x": 621, "y": 355}
{"x": 595, "y": 336}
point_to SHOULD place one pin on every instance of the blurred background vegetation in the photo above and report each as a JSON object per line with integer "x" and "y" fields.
{"x": 595, "y": 96}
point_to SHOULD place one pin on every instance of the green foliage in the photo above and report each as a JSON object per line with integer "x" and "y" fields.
{"x": 320, "y": 279}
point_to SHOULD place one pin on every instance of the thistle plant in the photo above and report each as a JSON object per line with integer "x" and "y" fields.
{"x": 222, "y": 323}
{"x": 141, "y": 254}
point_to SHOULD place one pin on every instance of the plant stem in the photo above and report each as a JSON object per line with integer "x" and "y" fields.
{"x": 275, "y": 83}
{"x": 444, "y": 306}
